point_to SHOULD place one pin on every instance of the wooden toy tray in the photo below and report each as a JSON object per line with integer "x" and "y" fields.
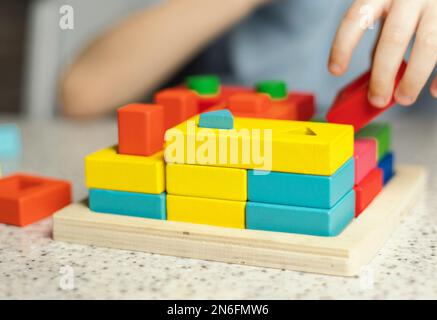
{"x": 344, "y": 255}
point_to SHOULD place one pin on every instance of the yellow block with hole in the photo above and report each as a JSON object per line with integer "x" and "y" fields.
{"x": 207, "y": 182}
{"x": 214, "y": 212}
{"x": 106, "y": 169}
{"x": 263, "y": 144}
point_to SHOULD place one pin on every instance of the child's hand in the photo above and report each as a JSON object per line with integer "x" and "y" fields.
{"x": 404, "y": 18}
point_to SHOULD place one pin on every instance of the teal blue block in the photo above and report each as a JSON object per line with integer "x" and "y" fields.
{"x": 10, "y": 142}
{"x": 220, "y": 119}
{"x": 302, "y": 220}
{"x": 301, "y": 189}
{"x": 143, "y": 205}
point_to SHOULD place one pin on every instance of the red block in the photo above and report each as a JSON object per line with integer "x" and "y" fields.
{"x": 179, "y": 105}
{"x": 352, "y": 105}
{"x": 140, "y": 129}
{"x": 305, "y": 103}
{"x": 27, "y": 199}
{"x": 368, "y": 189}
{"x": 248, "y": 103}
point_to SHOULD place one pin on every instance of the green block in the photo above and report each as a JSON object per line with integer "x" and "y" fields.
{"x": 382, "y": 133}
{"x": 276, "y": 89}
{"x": 208, "y": 85}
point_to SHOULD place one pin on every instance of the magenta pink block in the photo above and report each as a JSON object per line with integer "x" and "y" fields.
{"x": 365, "y": 158}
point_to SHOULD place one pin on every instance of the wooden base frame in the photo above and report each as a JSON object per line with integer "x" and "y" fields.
{"x": 344, "y": 255}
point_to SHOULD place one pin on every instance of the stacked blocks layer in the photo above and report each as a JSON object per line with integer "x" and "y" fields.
{"x": 365, "y": 158}
{"x": 304, "y": 220}
{"x": 317, "y": 148}
{"x": 26, "y": 199}
{"x": 300, "y": 189}
{"x": 152, "y": 206}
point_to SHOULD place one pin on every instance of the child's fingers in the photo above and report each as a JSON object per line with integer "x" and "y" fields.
{"x": 422, "y": 61}
{"x": 397, "y": 32}
{"x": 351, "y": 29}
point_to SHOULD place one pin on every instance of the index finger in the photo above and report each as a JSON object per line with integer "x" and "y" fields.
{"x": 358, "y": 18}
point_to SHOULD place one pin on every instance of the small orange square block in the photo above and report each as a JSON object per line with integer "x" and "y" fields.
{"x": 250, "y": 102}
{"x": 26, "y": 199}
{"x": 140, "y": 129}
{"x": 179, "y": 105}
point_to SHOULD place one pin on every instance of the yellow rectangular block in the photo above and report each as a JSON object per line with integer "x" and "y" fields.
{"x": 214, "y": 212}
{"x": 207, "y": 182}
{"x": 263, "y": 144}
{"x": 106, "y": 169}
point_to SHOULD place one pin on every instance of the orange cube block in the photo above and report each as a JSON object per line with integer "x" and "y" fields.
{"x": 26, "y": 199}
{"x": 140, "y": 129}
{"x": 179, "y": 105}
{"x": 248, "y": 103}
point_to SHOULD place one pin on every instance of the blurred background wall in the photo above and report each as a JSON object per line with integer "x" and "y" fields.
{"x": 34, "y": 49}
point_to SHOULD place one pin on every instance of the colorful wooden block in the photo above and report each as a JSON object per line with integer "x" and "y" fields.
{"x": 207, "y": 182}
{"x": 286, "y": 146}
{"x": 106, "y": 169}
{"x": 140, "y": 129}
{"x": 220, "y": 119}
{"x": 205, "y": 85}
{"x": 143, "y": 205}
{"x": 382, "y": 133}
{"x": 368, "y": 189}
{"x": 10, "y": 142}
{"x": 214, "y": 212}
{"x": 302, "y": 220}
{"x": 248, "y": 103}
{"x": 387, "y": 166}
{"x": 365, "y": 158}
{"x": 305, "y": 104}
{"x": 26, "y": 199}
{"x": 352, "y": 105}
{"x": 301, "y": 189}
{"x": 179, "y": 105}
{"x": 276, "y": 90}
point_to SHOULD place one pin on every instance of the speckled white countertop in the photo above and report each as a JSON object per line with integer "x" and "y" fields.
{"x": 31, "y": 263}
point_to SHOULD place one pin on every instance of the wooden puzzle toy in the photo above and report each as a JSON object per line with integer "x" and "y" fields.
{"x": 368, "y": 189}
{"x": 242, "y": 178}
{"x": 365, "y": 158}
{"x": 387, "y": 166}
{"x": 195, "y": 181}
{"x": 109, "y": 170}
{"x": 179, "y": 105}
{"x": 301, "y": 189}
{"x": 219, "y": 119}
{"x": 352, "y": 105}
{"x": 140, "y": 129}
{"x": 381, "y": 133}
{"x": 214, "y": 212}
{"x": 152, "y": 206}
{"x": 312, "y": 221}
{"x": 26, "y": 199}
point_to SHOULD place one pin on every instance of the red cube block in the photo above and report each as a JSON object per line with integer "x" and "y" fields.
{"x": 367, "y": 190}
{"x": 251, "y": 102}
{"x": 352, "y": 105}
{"x": 179, "y": 105}
{"x": 140, "y": 129}
{"x": 26, "y": 199}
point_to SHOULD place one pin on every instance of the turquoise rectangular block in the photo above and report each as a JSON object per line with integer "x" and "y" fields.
{"x": 10, "y": 141}
{"x": 143, "y": 205}
{"x": 301, "y": 189}
{"x": 220, "y": 119}
{"x": 387, "y": 166}
{"x": 302, "y": 220}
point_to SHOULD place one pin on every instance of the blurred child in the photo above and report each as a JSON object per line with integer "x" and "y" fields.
{"x": 244, "y": 41}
